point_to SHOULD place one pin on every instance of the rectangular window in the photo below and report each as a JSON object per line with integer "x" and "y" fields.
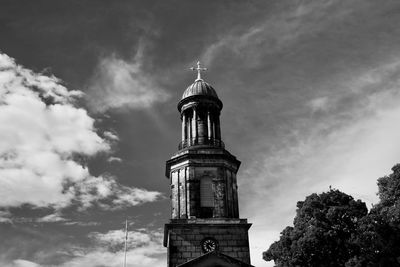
{"x": 206, "y": 192}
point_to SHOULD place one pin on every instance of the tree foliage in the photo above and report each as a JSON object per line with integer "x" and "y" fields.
{"x": 389, "y": 194}
{"x": 323, "y": 226}
{"x": 333, "y": 229}
{"x": 379, "y": 232}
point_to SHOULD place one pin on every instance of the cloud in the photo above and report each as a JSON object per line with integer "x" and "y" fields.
{"x": 149, "y": 255}
{"x": 120, "y": 84}
{"x": 43, "y": 134}
{"x": 52, "y": 218}
{"x": 114, "y": 159}
{"x": 5, "y": 216}
{"x": 111, "y": 136}
{"x": 348, "y": 145}
{"x": 319, "y": 104}
{"x": 105, "y": 192}
{"x": 116, "y": 238}
{"x": 80, "y": 223}
{"x": 279, "y": 31}
{"x": 23, "y": 263}
{"x": 144, "y": 249}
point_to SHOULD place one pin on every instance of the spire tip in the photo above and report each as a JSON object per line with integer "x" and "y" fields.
{"x": 199, "y": 69}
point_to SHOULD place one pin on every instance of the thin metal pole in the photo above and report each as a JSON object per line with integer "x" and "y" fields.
{"x": 126, "y": 240}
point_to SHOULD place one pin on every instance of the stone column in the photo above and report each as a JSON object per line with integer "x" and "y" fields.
{"x": 201, "y": 127}
{"x": 235, "y": 196}
{"x": 213, "y": 129}
{"x": 183, "y": 128}
{"x": 189, "y": 131}
{"x": 189, "y": 194}
{"x": 194, "y": 126}
{"x": 217, "y": 128}
{"x": 209, "y": 131}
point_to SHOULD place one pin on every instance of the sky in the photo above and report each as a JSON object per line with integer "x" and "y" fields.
{"x": 88, "y": 95}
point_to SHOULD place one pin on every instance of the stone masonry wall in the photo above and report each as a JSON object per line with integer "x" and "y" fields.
{"x": 185, "y": 191}
{"x": 185, "y": 241}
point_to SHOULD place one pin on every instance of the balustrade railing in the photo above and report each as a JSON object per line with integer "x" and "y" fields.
{"x": 201, "y": 141}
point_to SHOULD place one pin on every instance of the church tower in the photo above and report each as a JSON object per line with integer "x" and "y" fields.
{"x": 205, "y": 227}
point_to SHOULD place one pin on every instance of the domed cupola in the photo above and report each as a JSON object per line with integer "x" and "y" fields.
{"x": 200, "y": 109}
{"x": 199, "y": 92}
{"x": 199, "y": 87}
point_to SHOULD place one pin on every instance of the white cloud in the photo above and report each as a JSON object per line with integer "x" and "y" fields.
{"x": 23, "y": 263}
{"x": 42, "y": 132}
{"x": 114, "y": 159}
{"x": 119, "y": 84}
{"x": 54, "y": 217}
{"x": 116, "y": 238}
{"x": 5, "y": 217}
{"x": 109, "y": 194}
{"x": 149, "y": 255}
{"x": 144, "y": 249}
{"x": 111, "y": 136}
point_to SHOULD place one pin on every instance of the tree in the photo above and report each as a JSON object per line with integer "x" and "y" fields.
{"x": 332, "y": 229}
{"x": 389, "y": 195}
{"x": 323, "y": 232}
{"x": 379, "y": 232}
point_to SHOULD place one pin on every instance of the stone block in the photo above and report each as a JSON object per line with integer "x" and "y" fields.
{"x": 241, "y": 254}
{"x": 186, "y": 243}
{"x": 232, "y": 242}
{"x": 223, "y": 243}
{"x": 191, "y": 236}
{"x": 213, "y": 230}
{"x": 226, "y": 249}
{"x": 186, "y": 255}
{"x": 196, "y": 255}
{"x": 237, "y": 249}
{"x": 233, "y": 254}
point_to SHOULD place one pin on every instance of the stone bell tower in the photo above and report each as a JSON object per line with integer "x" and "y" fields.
{"x": 205, "y": 226}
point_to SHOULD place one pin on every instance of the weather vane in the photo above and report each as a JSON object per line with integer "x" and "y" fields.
{"x": 199, "y": 70}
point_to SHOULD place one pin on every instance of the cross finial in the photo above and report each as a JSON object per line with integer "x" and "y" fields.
{"x": 199, "y": 70}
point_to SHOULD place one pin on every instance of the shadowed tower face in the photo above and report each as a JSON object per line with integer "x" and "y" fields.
{"x": 204, "y": 199}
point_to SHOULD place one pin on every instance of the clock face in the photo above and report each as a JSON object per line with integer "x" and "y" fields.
{"x": 209, "y": 244}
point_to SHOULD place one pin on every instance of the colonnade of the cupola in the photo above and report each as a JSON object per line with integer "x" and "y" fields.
{"x": 200, "y": 126}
